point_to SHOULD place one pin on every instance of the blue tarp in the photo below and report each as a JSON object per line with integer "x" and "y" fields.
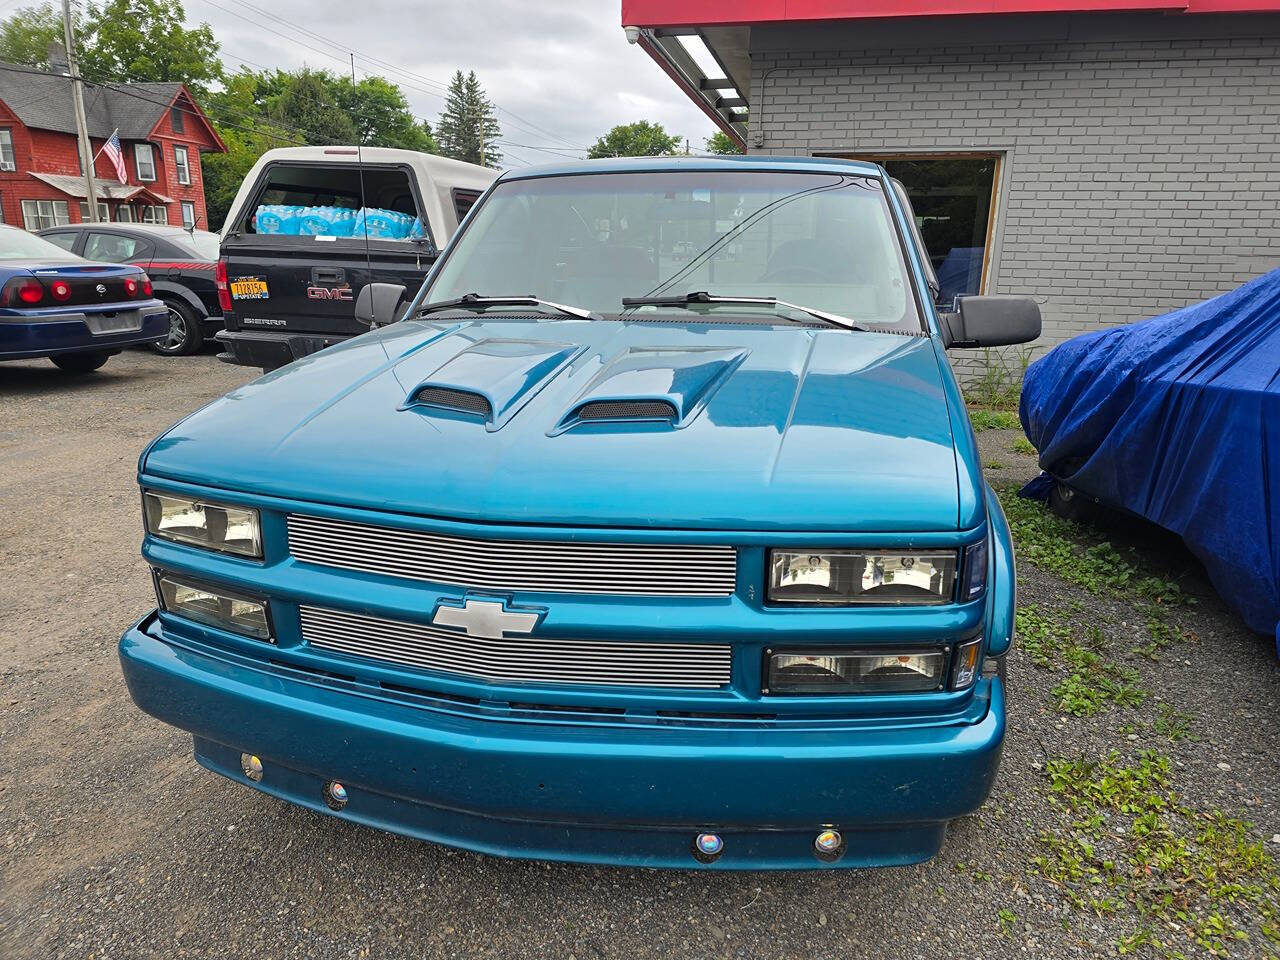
{"x": 1177, "y": 419}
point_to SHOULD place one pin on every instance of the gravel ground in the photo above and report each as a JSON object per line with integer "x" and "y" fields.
{"x": 115, "y": 844}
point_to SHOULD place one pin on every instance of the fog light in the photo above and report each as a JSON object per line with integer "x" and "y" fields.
{"x": 829, "y": 844}
{"x": 335, "y": 795}
{"x": 251, "y": 766}
{"x": 707, "y": 847}
{"x": 843, "y": 671}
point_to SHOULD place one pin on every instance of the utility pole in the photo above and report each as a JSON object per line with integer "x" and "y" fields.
{"x": 77, "y": 101}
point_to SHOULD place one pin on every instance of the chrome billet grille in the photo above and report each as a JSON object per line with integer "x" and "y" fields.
{"x": 518, "y": 659}
{"x": 629, "y": 569}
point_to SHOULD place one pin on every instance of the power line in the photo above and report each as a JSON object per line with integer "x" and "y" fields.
{"x": 386, "y": 65}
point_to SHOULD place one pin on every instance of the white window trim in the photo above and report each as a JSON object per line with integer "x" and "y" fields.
{"x": 57, "y": 214}
{"x": 186, "y": 205}
{"x": 126, "y": 209}
{"x": 138, "y": 150}
{"x": 8, "y": 159}
{"x": 153, "y": 210}
{"x": 104, "y": 212}
{"x": 182, "y": 168}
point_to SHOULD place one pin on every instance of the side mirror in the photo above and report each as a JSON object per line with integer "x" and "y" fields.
{"x": 994, "y": 321}
{"x": 379, "y": 304}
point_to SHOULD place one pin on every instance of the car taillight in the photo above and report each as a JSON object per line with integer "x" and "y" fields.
{"x": 220, "y": 281}
{"x": 130, "y": 287}
{"x": 147, "y": 288}
{"x": 60, "y": 290}
{"x": 23, "y": 292}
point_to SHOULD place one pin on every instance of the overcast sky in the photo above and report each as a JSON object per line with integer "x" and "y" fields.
{"x": 560, "y": 71}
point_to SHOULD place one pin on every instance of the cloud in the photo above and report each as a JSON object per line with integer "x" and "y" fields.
{"x": 561, "y": 72}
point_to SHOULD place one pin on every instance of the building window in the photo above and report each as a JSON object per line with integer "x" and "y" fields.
{"x": 7, "y": 161}
{"x": 954, "y": 198}
{"x": 188, "y": 214}
{"x": 103, "y": 213}
{"x": 124, "y": 213}
{"x": 39, "y": 214}
{"x": 156, "y": 213}
{"x": 180, "y": 165}
{"x": 144, "y": 161}
{"x": 175, "y": 118}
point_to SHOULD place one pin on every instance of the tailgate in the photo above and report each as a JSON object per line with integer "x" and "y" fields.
{"x": 309, "y": 284}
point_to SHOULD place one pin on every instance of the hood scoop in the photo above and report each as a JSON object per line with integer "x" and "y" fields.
{"x": 491, "y": 379}
{"x": 665, "y": 386}
{"x": 462, "y": 401}
{"x": 627, "y": 410}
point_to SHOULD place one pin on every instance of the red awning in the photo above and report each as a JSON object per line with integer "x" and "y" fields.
{"x": 707, "y": 13}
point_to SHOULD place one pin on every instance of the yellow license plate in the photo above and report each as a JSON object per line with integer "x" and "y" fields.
{"x": 249, "y": 288}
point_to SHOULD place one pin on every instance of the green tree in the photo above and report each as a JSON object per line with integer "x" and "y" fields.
{"x": 639, "y": 139}
{"x": 382, "y": 115}
{"x": 147, "y": 40}
{"x": 25, "y": 36}
{"x": 721, "y": 142}
{"x": 468, "y": 129}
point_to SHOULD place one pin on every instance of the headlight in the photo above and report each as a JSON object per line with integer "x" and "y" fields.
{"x": 862, "y": 576}
{"x": 214, "y": 526}
{"x": 213, "y": 606}
{"x": 843, "y": 671}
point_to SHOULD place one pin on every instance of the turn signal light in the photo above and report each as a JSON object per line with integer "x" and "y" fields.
{"x": 145, "y": 282}
{"x": 60, "y": 290}
{"x": 130, "y": 287}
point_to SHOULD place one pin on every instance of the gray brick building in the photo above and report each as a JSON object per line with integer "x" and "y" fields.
{"x": 1113, "y": 164}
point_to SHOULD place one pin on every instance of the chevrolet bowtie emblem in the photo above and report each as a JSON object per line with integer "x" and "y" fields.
{"x": 486, "y": 618}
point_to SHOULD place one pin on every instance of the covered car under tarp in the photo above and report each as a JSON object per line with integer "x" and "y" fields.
{"x": 1177, "y": 419}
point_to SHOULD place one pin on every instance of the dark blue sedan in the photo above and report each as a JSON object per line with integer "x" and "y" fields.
{"x": 73, "y": 311}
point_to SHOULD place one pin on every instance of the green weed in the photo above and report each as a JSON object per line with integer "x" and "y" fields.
{"x": 1024, "y": 446}
{"x": 1061, "y": 547}
{"x": 993, "y": 420}
{"x": 1194, "y": 878}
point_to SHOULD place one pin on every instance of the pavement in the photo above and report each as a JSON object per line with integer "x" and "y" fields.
{"x": 114, "y": 844}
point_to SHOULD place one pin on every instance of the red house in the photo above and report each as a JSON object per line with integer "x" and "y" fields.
{"x": 162, "y": 132}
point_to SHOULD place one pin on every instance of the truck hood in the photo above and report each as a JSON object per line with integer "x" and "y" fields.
{"x": 600, "y": 423}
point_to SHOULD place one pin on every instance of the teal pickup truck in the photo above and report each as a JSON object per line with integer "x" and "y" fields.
{"x": 650, "y": 531}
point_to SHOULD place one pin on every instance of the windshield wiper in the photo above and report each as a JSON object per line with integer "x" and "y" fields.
{"x": 468, "y": 300}
{"x": 702, "y": 296}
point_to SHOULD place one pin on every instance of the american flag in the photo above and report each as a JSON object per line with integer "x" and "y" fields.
{"x": 116, "y": 155}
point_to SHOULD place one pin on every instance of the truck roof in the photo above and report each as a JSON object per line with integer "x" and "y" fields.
{"x": 438, "y": 176}
{"x": 727, "y": 163}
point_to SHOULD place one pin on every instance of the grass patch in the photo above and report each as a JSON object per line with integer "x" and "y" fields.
{"x": 1196, "y": 879}
{"x": 1062, "y": 547}
{"x": 983, "y": 419}
{"x": 1024, "y": 446}
{"x": 994, "y": 465}
{"x": 1093, "y": 683}
{"x": 1174, "y": 725}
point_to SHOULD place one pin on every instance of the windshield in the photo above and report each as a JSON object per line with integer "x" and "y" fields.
{"x": 822, "y": 240}
{"x": 17, "y": 244}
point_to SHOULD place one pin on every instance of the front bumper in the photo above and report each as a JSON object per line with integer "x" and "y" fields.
{"x": 257, "y": 348}
{"x": 590, "y": 792}
{"x": 73, "y": 331}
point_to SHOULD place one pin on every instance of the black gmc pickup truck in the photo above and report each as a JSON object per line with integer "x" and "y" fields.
{"x": 311, "y": 226}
